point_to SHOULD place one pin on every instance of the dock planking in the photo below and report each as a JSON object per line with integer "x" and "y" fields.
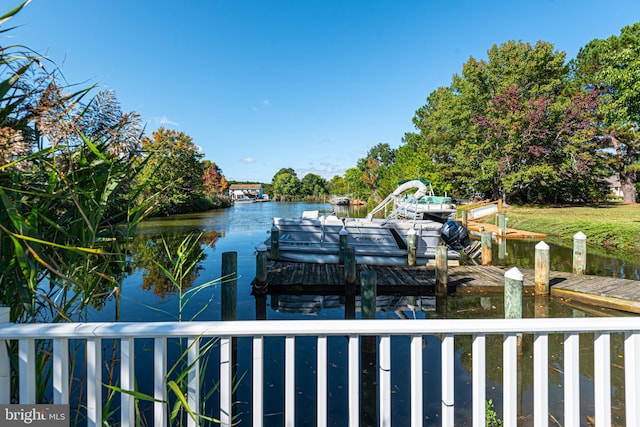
{"x": 510, "y": 233}
{"x": 328, "y": 279}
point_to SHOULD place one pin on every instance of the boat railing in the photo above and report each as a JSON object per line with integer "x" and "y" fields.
{"x": 96, "y": 336}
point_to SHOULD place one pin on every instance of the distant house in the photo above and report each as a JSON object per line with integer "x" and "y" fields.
{"x": 615, "y": 186}
{"x": 243, "y": 191}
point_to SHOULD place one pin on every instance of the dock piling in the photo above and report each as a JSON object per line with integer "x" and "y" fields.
{"x": 579, "y": 253}
{"x": 350, "y": 270}
{"x": 261, "y": 268}
{"x": 542, "y": 269}
{"x": 368, "y": 294}
{"x": 486, "y": 248}
{"x": 275, "y": 242}
{"x": 411, "y": 247}
{"x": 502, "y": 247}
{"x": 513, "y": 285}
{"x": 343, "y": 238}
{"x": 502, "y": 225}
{"x": 229, "y": 291}
{"x": 442, "y": 271}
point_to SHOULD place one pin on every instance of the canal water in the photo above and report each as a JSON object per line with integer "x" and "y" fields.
{"x": 147, "y": 295}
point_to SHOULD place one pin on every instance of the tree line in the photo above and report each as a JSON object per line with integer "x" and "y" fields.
{"x": 525, "y": 125}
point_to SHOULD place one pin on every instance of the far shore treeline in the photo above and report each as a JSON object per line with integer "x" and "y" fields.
{"x": 526, "y": 125}
{"x": 77, "y": 174}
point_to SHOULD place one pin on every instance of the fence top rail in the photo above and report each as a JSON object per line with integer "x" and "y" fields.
{"x": 250, "y": 328}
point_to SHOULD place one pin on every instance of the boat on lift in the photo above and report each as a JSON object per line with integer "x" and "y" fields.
{"x": 421, "y": 205}
{"x": 377, "y": 241}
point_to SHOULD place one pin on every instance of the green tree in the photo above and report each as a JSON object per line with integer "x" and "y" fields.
{"x": 512, "y": 126}
{"x": 336, "y": 185}
{"x": 612, "y": 66}
{"x": 413, "y": 162}
{"x": 313, "y": 185}
{"x": 374, "y": 165}
{"x": 354, "y": 183}
{"x": 286, "y": 183}
{"x": 174, "y": 172}
{"x": 289, "y": 171}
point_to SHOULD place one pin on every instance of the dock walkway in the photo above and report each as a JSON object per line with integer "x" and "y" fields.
{"x": 510, "y": 233}
{"x": 329, "y": 279}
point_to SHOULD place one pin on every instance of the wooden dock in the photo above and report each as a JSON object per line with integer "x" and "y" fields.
{"x": 472, "y": 218}
{"x": 511, "y": 233}
{"x": 328, "y": 279}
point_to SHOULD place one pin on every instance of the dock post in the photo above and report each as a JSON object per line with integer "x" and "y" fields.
{"x": 229, "y": 291}
{"x": 275, "y": 242}
{"x": 502, "y": 248}
{"x": 368, "y": 353}
{"x": 442, "y": 273}
{"x": 350, "y": 271}
{"x": 343, "y": 238}
{"x": 542, "y": 269}
{"x": 411, "y": 246}
{"x": 502, "y": 225}
{"x": 513, "y": 285}
{"x": 229, "y": 308}
{"x": 464, "y": 217}
{"x": 368, "y": 294}
{"x": 579, "y": 253}
{"x": 261, "y": 269}
{"x": 486, "y": 248}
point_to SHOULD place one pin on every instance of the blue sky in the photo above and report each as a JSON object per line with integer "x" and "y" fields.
{"x": 303, "y": 84}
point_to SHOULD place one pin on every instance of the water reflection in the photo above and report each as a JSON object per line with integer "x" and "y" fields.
{"x": 521, "y": 253}
{"x": 243, "y": 227}
{"x": 155, "y": 254}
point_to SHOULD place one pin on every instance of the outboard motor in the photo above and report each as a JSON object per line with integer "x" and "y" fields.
{"x": 455, "y": 235}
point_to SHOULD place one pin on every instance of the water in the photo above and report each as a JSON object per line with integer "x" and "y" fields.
{"x": 147, "y": 295}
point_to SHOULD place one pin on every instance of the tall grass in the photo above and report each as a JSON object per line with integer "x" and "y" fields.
{"x": 68, "y": 174}
{"x": 178, "y": 267}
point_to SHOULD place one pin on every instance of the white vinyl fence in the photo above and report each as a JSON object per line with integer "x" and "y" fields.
{"x": 195, "y": 333}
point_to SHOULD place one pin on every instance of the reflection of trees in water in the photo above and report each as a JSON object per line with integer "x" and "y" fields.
{"x": 151, "y": 253}
{"x": 600, "y": 262}
{"x": 491, "y": 307}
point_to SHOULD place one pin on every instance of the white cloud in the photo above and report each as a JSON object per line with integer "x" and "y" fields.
{"x": 323, "y": 168}
{"x": 164, "y": 121}
{"x": 248, "y": 160}
{"x": 264, "y": 104}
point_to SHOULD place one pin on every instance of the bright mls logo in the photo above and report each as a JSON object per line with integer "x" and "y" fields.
{"x": 34, "y": 415}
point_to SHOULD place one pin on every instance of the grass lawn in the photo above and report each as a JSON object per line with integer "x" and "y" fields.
{"x": 612, "y": 225}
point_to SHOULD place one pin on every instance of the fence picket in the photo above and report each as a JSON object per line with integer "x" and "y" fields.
{"x": 322, "y": 381}
{"x": 160, "y": 382}
{"x": 94, "y": 382}
{"x": 478, "y": 329}
{"x": 258, "y": 380}
{"x": 127, "y": 370}
{"x": 572, "y": 380}
{"x": 478, "y": 380}
{"x": 602, "y": 378}
{"x": 541, "y": 380}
